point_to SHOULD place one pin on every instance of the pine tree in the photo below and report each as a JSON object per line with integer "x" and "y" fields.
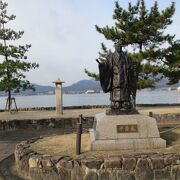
{"x": 13, "y": 64}
{"x": 171, "y": 62}
{"x": 143, "y": 30}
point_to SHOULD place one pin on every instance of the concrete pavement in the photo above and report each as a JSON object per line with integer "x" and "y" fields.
{"x": 69, "y": 113}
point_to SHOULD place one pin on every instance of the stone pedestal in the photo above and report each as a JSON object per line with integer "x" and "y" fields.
{"x": 58, "y": 98}
{"x": 125, "y": 132}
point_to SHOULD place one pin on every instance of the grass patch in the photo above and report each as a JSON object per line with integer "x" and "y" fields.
{"x": 170, "y": 136}
{"x": 172, "y": 139}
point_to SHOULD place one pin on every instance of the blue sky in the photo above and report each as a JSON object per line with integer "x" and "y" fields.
{"x": 63, "y": 37}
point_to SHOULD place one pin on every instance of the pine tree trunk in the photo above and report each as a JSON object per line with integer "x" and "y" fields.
{"x": 140, "y": 47}
{"x": 9, "y": 99}
{"x": 8, "y": 76}
{"x": 9, "y": 89}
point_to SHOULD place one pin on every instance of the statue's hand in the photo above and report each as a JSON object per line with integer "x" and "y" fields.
{"x": 98, "y": 61}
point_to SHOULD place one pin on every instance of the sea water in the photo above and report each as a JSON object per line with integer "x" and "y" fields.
{"x": 143, "y": 97}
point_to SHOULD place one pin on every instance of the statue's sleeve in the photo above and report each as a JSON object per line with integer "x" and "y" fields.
{"x": 105, "y": 74}
{"x": 133, "y": 76}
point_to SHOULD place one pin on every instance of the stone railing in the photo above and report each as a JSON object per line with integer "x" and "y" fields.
{"x": 65, "y": 107}
{"x": 167, "y": 116}
{"x": 142, "y": 166}
{"x": 168, "y": 119}
{"x": 92, "y": 107}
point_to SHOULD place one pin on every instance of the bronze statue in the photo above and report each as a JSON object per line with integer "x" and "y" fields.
{"x": 117, "y": 76}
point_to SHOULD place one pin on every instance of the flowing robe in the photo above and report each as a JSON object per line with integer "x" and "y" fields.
{"x": 117, "y": 77}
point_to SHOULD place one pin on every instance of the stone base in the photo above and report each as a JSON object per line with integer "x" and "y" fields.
{"x": 127, "y": 144}
{"x": 125, "y": 132}
{"x": 121, "y": 111}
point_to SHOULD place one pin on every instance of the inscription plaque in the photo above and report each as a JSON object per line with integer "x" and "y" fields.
{"x": 130, "y": 128}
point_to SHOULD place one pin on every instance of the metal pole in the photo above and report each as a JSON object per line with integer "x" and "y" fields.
{"x": 80, "y": 118}
{"x": 78, "y": 136}
{"x": 150, "y": 114}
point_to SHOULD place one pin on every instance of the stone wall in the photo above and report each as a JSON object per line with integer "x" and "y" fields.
{"x": 163, "y": 120}
{"x": 144, "y": 166}
{"x": 62, "y": 123}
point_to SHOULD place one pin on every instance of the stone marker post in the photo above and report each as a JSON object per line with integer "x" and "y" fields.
{"x": 58, "y": 96}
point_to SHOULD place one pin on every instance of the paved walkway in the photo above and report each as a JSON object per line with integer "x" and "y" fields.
{"x": 21, "y": 115}
{"x": 8, "y": 169}
{"x": 46, "y": 114}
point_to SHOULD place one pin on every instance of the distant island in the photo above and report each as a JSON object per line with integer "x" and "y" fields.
{"x": 85, "y": 86}
{"x": 82, "y": 86}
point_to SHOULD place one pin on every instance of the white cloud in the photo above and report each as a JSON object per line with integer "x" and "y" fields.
{"x": 64, "y": 40}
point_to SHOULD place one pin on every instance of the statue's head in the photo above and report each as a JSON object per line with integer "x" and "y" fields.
{"x": 118, "y": 45}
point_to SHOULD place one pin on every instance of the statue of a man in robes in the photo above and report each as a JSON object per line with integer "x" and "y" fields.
{"x": 117, "y": 76}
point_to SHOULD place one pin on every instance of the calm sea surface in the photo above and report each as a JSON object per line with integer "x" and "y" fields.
{"x": 143, "y": 97}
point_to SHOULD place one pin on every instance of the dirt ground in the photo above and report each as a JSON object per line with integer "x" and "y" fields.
{"x": 65, "y": 145}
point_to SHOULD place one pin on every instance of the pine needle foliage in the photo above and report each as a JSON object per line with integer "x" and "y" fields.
{"x": 143, "y": 30}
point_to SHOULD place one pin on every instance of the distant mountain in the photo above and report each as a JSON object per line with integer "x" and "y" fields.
{"x": 82, "y": 86}
{"x": 43, "y": 89}
{"x": 39, "y": 89}
{"x": 78, "y": 87}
